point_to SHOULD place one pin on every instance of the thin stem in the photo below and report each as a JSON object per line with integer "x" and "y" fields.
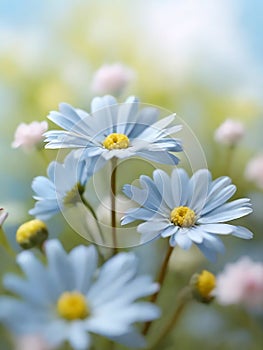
{"x": 110, "y": 345}
{"x": 183, "y": 299}
{"x": 4, "y": 242}
{"x": 113, "y": 204}
{"x": 89, "y": 207}
{"x": 229, "y": 160}
{"x": 160, "y": 280}
{"x": 43, "y": 154}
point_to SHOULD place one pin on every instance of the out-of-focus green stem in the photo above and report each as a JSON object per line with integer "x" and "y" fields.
{"x": 160, "y": 280}
{"x": 229, "y": 160}
{"x": 4, "y": 242}
{"x": 184, "y": 298}
{"x": 89, "y": 207}
{"x": 113, "y": 204}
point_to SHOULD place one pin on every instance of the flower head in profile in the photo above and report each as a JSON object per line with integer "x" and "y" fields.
{"x": 111, "y": 79}
{"x": 230, "y": 132}
{"x": 254, "y": 170}
{"x": 31, "y": 234}
{"x": 188, "y": 210}
{"x": 115, "y": 131}
{"x": 71, "y": 298}
{"x": 202, "y": 286}
{"x": 241, "y": 282}
{"x": 63, "y": 186}
{"x": 3, "y": 216}
{"x": 28, "y": 136}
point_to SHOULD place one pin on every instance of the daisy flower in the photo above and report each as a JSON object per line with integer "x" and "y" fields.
{"x": 69, "y": 299}
{"x": 63, "y": 186}
{"x": 115, "y": 130}
{"x": 188, "y": 210}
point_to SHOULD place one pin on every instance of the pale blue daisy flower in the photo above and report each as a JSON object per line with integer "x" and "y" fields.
{"x": 69, "y": 299}
{"x": 63, "y": 186}
{"x": 115, "y": 130}
{"x": 188, "y": 210}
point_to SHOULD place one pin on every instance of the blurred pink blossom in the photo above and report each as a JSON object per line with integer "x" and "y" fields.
{"x": 241, "y": 283}
{"x": 3, "y": 216}
{"x": 254, "y": 170}
{"x": 111, "y": 79}
{"x": 27, "y": 136}
{"x": 230, "y": 132}
{"x": 31, "y": 342}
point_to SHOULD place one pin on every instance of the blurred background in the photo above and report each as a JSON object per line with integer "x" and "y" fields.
{"x": 200, "y": 59}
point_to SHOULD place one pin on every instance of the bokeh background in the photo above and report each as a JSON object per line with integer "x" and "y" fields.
{"x": 201, "y": 59}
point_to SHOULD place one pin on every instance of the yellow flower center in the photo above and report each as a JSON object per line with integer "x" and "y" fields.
{"x": 183, "y": 216}
{"x": 205, "y": 283}
{"x": 73, "y": 196}
{"x": 116, "y": 141}
{"x": 31, "y": 233}
{"x": 73, "y": 306}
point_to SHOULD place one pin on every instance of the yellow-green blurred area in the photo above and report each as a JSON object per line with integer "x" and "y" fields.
{"x": 200, "y": 59}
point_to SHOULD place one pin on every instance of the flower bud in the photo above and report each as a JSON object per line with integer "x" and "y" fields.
{"x": 230, "y": 132}
{"x": 111, "y": 79}
{"x": 254, "y": 170}
{"x": 202, "y": 286}
{"x": 3, "y": 216}
{"x": 32, "y": 234}
{"x": 28, "y": 136}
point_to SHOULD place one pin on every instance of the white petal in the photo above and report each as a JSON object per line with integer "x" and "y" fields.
{"x": 78, "y": 337}
{"x": 220, "y": 229}
{"x": 84, "y": 263}
{"x": 199, "y": 184}
{"x": 242, "y": 232}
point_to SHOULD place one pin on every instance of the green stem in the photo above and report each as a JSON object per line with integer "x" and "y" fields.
{"x": 89, "y": 207}
{"x": 160, "y": 281}
{"x": 43, "y": 154}
{"x": 229, "y": 160}
{"x": 4, "y": 242}
{"x": 183, "y": 299}
{"x": 110, "y": 345}
{"x": 113, "y": 204}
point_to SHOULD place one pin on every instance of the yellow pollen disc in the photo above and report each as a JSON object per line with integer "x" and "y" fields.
{"x": 206, "y": 282}
{"x": 116, "y": 141}
{"x": 30, "y": 229}
{"x": 183, "y": 216}
{"x": 73, "y": 306}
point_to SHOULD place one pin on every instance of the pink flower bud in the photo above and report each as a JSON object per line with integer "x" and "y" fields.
{"x": 230, "y": 132}
{"x": 254, "y": 170}
{"x": 33, "y": 342}
{"x": 28, "y": 136}
{"x": 241, "y": 283}
{"x": 111, "y": 79}
{"x": 3, "y": 216}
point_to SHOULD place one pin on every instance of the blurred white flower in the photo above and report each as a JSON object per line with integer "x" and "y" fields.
{"x": 111, "y": 79}
{"x": 254, "y": 170}
{"x": 33, "y": 342}
{"x": 241, "y": 283}
{"x": 230, "y": 132}
{"x": 3, "y": 216}
{"x": 28, "y": 136}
